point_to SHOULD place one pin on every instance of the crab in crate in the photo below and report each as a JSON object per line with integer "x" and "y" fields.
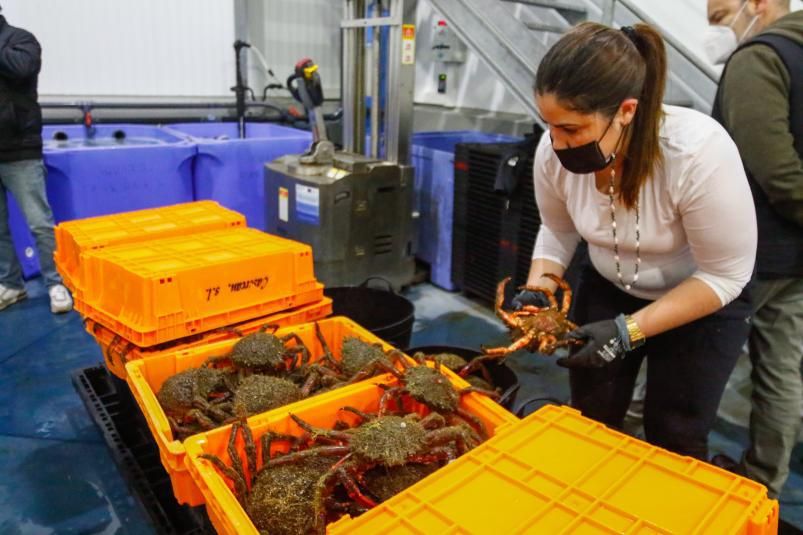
{"x": 382, "y": 441}
{"x": 185, "y": 398}
{"x": 264, "y": 352}
{"x": 279, "y": 498}
{"x": 482, "y": 378}
{"x": 424, "y": 384}
{"x": 535, "y": 329}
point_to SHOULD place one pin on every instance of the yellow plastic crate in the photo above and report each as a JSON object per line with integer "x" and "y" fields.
{"x": 77, "y": 236}
{"x": 559, "y": 472}
{"x": 117, "y": 351}
{"x": 226, "y": 513}
{"x": 163, "y": 290}
{"x": 145, "y": 378}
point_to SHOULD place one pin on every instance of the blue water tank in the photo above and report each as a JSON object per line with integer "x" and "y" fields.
{"x": 432, "y": 155}
{"x": 120, "y": 167}
{"x": 116, "y": 168}
{"x": 230, "y": 170}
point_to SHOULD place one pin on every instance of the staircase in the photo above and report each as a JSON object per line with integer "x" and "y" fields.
{"x": 512, "y": 36}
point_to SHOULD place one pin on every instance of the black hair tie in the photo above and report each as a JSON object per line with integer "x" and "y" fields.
{"x": 631, "y": 34}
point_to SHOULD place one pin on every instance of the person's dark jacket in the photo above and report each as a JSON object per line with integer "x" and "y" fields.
{"x": 759, "y": 103}
{"x": 20, "y": 114}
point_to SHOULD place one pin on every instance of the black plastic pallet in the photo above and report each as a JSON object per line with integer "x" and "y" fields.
{"x": 112, "y": 407}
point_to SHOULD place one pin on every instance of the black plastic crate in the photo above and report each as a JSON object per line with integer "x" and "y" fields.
{"x": 112, "y": 407}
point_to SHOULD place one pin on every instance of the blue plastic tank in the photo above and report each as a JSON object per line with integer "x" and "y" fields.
{"x": 115, "y": 168}
{"x": 432, "y": 154}
{"x": 230, "y": 170}
{"x": 111, "y": 168}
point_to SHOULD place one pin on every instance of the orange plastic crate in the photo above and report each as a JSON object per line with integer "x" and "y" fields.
{"x": 163, "y": 290}
{"x": 558, "y": 472}
{"x": 226, "y": 513}
{"x": 117, "y": 351}
{"x": 145, "y": 377}
{"x": 75, "y": 237}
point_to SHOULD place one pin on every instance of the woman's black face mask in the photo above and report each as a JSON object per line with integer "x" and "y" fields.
{"x": 586, "y": 158}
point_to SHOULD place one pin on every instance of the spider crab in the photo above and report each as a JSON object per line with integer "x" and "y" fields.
{"x": 536, "y": 329}
{"x": 381, "y": 441}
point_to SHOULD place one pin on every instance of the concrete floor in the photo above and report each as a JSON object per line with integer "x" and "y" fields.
{"x": 58, "y": 476}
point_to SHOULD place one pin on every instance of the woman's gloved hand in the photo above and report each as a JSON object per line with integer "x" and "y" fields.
{"x": 528, "y": 298}
{"x": 605, "y": 341}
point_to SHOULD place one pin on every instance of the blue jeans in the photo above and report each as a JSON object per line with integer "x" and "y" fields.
{"x": 26, "y": 182}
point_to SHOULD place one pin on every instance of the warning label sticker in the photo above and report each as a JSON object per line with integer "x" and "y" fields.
{"x": 308, "y": 204}
{"x": 284, "y": 201}
{"x": 408, "y": 44}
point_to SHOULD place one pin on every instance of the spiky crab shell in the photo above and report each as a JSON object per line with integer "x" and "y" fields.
{"x": 260, "y": 393}
{"x": 389, "y": 440}
{"x": 258, "y": 350}
{"x": 431, "y": 388}
{"x": 176, "y": 394}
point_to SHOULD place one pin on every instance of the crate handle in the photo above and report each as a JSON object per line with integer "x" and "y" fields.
{"x": 508, "y": 393}
{"x": 523, "y": 405}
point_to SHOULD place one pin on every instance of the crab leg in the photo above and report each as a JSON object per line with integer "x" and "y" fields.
{"x": 327, "y": 353}
{"x": 239, "y": 483}
{"x": 296, "y": 456}
{"x": 500, "y": 298}
{"x": 566, "y": 302}
{"x": 347, "y": 480}
{"x": 496, "y": 353}
{"x": 234, "y": 455}
{"x": 364, "y": 415}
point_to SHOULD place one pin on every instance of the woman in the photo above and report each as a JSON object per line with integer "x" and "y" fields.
{"x": 660, "y": 195}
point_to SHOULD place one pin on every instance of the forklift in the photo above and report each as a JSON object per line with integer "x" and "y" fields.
{"x": 355, "y": 206}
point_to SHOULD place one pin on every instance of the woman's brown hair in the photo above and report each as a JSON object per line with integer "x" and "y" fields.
{"x": 593, "y": 68}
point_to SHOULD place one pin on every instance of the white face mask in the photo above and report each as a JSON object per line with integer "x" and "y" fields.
{"x": 720, "y": 41}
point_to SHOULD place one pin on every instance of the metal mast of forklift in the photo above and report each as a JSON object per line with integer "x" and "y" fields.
{"x": 399, "y": 80}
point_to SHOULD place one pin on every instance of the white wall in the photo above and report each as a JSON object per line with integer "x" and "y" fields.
{"x": 142, "y": 48}
{"x": 288, "y": 30}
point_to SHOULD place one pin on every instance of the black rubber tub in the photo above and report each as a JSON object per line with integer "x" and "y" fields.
{"x": 503, "y": 377}
{"x": 382, "y": 311}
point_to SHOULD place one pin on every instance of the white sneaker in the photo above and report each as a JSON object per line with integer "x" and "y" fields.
{"x": 9, "y": 296}
{"x": 60, "y": 300}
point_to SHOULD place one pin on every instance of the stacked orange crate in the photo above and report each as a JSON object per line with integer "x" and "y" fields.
{"x": 76, "y": 237}
{"x": 123, "y": 270}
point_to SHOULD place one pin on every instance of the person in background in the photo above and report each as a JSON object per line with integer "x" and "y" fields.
{"x": 22, "y": 172}
{"x": 760, "y": 103}
{"x": 660, "y": 195}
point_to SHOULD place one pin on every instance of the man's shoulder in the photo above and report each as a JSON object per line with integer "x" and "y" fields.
{"x": 15, "y": 34}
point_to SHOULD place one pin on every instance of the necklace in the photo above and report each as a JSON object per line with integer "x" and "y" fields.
{"x": 616, "y": 240}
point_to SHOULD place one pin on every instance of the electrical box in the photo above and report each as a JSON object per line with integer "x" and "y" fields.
{"x": 446, "y": 46}
{"x": 355, "y": 213}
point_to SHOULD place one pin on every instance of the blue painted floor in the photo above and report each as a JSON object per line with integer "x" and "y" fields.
{"x": 57, "y": 475}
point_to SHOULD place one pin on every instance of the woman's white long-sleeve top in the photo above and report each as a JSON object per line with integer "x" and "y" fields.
{"x": 697, "y": 217}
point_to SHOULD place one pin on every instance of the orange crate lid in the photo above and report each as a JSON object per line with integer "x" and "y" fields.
{"x": 117, "y": 351}
{"x": 226, "y": 513}
{"x": 162, "y": 290}
{"x": 74, "y": 237}
{"x": 559, "y": 472}
{"x": 145, "y": 377}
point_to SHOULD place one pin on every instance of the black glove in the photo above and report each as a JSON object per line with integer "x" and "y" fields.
{"x": 605, "y": 341}
{"x": 528, "y": 298}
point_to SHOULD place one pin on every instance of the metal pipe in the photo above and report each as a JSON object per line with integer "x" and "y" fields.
{"x": 376, "y": 54}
